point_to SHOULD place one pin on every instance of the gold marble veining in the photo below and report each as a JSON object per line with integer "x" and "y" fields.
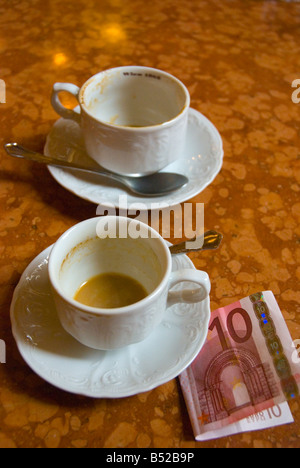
{"x": 238, "y": 60}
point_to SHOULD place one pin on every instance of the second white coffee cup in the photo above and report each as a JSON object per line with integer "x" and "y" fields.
{"x": 127, "y": 247}
{"x": 133, "y": 119}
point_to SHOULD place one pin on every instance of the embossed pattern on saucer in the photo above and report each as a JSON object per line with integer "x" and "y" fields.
{"x": 201, "y": 162}
{"x": 65, "y": 363}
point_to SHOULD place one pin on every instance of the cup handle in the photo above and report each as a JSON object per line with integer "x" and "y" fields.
{"x": 189, "y": 296}
{"x": 57, "y": 105}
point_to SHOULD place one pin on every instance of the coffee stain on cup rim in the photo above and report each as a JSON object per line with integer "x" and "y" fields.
{"x": 108, "y": 76}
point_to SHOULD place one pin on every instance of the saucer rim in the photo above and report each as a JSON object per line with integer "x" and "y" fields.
{"x": 176, "y": 198}
{"x": 22, "y": 346}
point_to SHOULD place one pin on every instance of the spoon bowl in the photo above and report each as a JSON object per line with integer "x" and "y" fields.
{"x": 153, "y": 185}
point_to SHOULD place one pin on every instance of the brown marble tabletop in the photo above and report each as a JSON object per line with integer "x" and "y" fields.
{"x": 239, "y": 59}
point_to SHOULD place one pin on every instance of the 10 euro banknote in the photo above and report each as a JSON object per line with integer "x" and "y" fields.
{"x": 245, "y": 367}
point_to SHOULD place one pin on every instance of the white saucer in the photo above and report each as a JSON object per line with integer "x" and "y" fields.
{"x": 65, "y": 363}
{"x": 201, "y": 162}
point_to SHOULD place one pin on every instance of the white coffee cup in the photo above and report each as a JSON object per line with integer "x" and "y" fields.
{"x": 125, "y": 246}
{"x": 133, "y": 118}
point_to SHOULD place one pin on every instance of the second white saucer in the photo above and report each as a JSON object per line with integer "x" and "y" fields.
{"x": 65, "y": 363}
{"x": 201, "y": 161}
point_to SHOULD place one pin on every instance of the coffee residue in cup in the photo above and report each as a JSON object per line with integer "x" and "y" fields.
{"x": 110, "y": 290}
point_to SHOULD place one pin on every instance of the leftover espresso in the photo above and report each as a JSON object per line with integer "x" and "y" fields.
{"x": 110, "y": 291}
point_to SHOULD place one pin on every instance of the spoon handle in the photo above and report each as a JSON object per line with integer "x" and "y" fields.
{"x": 211, "y": 241}
{"x": 18, "y": 151}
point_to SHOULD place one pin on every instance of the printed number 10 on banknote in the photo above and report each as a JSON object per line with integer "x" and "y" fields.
{"x": 245, "y": 365}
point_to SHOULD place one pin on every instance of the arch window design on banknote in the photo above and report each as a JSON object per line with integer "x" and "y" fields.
{"x": 235, "y": 378}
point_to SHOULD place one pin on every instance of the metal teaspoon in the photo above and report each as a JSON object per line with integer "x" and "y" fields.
{"x": 160, "y": 183}
{"x": 212, "y": 240}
